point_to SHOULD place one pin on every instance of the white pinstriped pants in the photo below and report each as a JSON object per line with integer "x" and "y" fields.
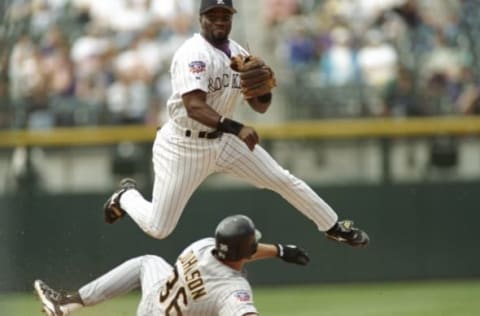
{"x": 148, "y": 272}
{"x": 182, "y": 163}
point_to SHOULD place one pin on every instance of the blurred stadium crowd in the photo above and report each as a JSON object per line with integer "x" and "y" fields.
{"x": 380, "y": 57}
{"x": 84, "y": 62}
{"x": 88, "y": 62}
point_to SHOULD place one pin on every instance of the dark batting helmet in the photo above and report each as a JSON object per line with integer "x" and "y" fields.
{"x": 236, "y": 238}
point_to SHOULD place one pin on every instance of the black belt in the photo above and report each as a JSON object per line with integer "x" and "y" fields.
{"x": 207, "y": 135}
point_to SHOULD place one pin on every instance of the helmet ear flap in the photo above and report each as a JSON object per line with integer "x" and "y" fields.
{"x": 253, "y": 247}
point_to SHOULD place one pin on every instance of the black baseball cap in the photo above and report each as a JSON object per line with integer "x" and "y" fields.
{"x": 208, "y": 5}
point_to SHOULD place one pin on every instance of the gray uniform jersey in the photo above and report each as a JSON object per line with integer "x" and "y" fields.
{"x": 200, "y": 285}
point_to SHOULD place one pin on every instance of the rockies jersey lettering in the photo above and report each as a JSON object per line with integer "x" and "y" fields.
{"x": 218, "y": 83}
{"x": 182, "y": 163}
{"x": 197, "y": 65}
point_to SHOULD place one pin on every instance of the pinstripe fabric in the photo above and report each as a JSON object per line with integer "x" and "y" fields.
{"x": 261, "y": 170}
{"x": 155, "y": 270}
{"x": 145, "y": 271}
{"x": 224, "y": 291}
{"x": 217, "y": 79}
{"x": 182, "y": 163}
{"x": 210, "y": 287}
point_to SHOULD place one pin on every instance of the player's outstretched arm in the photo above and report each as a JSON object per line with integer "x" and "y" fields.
{"x": 265, "y": 251}
{"x": 288, "y": 253}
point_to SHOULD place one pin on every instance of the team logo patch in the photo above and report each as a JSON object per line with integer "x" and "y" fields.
{"x": 197, "y": 67}
{"x": 242, "y": 296}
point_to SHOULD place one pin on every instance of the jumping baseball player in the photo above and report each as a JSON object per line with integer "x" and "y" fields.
{"x": 209, "y": 73}
{"x": 207, "y": 279}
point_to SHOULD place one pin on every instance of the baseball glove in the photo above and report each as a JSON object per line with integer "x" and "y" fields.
{"x": 256, "y": 78}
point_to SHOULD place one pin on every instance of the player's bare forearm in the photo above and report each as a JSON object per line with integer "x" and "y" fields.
{"x": 200, "y": 111}
{"x": 265, "y": 251}
{"x": 288, "y": 253}
{"x": 197, "y": 108}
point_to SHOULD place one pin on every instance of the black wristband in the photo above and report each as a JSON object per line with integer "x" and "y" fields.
{"x": 229, "y": 126}
{"x": 266, "y": 98}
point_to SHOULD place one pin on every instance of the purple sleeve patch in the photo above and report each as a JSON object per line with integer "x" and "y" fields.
{"x": 197, "y": 67}
{"x": 242, "y": 296}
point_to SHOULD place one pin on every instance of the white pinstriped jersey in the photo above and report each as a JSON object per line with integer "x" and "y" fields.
{"x": 182, "y": 162}
{"x": 202, "y": 286}
{"x": 197, "y": 65}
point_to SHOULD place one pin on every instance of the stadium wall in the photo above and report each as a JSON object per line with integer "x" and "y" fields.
{"x": 418, "y": 231}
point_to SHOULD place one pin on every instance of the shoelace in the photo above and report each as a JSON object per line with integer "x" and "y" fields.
{"x": 51, "y": 293}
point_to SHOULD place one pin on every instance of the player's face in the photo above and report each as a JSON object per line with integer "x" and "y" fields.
{"x": 216, "y": 25}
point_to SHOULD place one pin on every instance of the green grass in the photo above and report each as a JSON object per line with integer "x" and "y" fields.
{"x": 389, "y": 299}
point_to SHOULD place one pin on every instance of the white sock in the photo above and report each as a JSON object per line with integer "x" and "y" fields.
{"x": 70, "y": 308}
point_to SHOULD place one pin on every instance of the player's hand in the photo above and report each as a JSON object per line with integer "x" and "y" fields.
{"x": 249, "y": 136}
{"x": 292, "y": 254}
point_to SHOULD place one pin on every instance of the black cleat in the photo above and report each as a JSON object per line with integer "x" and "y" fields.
{"x": 50, "y": 299}
{"x": 112, "y": 208}
{"x": 345, "y": 232}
